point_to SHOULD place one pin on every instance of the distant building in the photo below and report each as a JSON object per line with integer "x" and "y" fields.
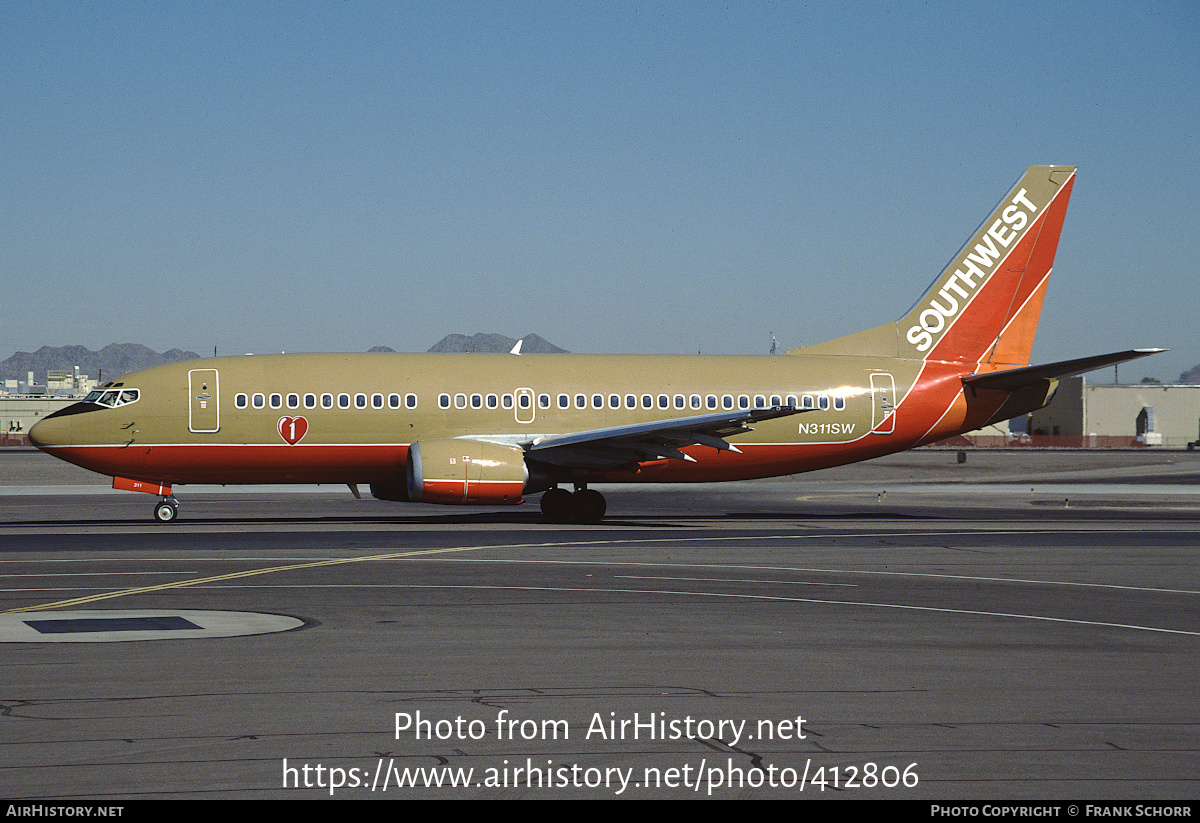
{"x": 25, "y": 402}
{"x": 1148, "y": 414}
{"x": 59, "y": 383}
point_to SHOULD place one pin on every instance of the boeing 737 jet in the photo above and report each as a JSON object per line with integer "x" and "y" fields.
{"x": 494, "y": 428}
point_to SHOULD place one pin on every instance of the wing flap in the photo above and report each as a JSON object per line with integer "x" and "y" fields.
{"x": 654, "y": 440}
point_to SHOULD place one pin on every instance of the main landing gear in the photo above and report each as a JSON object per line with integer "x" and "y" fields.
{"x": 584, "y": 506}
{"x": 166, "y": 510}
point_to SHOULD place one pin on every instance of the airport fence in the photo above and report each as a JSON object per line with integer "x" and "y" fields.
{"x": 1041, "y": 441}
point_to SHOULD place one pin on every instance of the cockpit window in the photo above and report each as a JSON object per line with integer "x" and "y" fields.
{"x": 111, "y": 398}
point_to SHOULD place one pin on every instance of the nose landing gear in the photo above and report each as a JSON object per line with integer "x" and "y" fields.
{"x": 166, "y": 510}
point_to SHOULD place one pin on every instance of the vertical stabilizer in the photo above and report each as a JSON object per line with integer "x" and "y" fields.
{"x": 984, "y": 307}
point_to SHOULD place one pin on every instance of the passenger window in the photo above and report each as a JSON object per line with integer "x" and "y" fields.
{"x": 564, "y": 402}
{"x": 823, "y": 402}
{"x": 310, "y": 401}
{"x": 647, "y": 401}
{"x": 760, "y": 402}
{"x": 839, "y": 403}
{"x": 410, "y": 401}
{"x": 377, "y": 401}
{"x": 743, "y": 401}
{"x": 664, "y": 402}
{"x": 630, "y": 401}
{"x": 327, "y": 401}
{"x": 711, "y": 401}
{"x": 277, "y": 401}
{"x": 477, "y": 401}
{"x": 807, "y": 402}
{"x": 695, "y": 401}
{"x": 492, "y": 401}
{"x": 360, "y": 401}
{"x": 580, "y": 401}
{"x": 544, "y": 401}
{"x": 597, "y": 401}
{"x": 727, "y": 401}
{"x": 614, "y": 401}
{"x": 259, "y": 401}
{"x": 393, "y": 401}
{"x": 506, "y": 401}
{"x": 791, "y": 401}
{"x": 443, "y": 401}
{"x": 460, "y": 401}
{"x": 293, "y": 401}
{"x": 239, "y": 401}
{"x": 776, "y": 400}
{"x": 343, "y": 401}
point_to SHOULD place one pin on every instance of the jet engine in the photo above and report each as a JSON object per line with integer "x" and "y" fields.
{"x": 459, "y": 471}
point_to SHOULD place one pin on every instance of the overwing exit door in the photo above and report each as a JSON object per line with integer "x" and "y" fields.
{"x": 524, "y": 410}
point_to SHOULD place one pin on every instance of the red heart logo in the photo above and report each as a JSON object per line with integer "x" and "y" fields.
{"x": 292, "y": 429}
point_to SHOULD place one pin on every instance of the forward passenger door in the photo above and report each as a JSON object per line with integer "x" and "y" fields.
{"x": 204, "y": 401}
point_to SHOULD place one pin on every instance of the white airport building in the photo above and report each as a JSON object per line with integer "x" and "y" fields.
{"x": 25, "y": 402}
{"x": 1147, "y": 414}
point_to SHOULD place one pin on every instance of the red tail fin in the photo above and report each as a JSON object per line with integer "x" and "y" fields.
{"x": 984, "y": 308}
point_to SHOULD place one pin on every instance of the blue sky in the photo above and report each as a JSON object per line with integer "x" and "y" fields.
{"x": 617, "y": 177}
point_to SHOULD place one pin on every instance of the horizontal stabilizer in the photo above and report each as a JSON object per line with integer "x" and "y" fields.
{"x": 1013, "y": 379}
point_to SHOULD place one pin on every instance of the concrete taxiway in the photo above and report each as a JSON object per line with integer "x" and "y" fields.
{"x": 1018, "y": 626}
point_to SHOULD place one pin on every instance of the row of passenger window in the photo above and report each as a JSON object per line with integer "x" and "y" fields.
{"x": 645, "y": 401}
{"x": 326, "y": 401}
{"x": 524, "y": 400}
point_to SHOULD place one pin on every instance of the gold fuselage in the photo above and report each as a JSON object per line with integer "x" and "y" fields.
{"x": 236, "y": 420}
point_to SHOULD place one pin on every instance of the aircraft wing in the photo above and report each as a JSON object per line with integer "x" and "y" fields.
{"x": 1013, "y": 379}
{"x": 655, "y": 440}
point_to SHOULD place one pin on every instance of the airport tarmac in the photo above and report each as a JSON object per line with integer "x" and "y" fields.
{"x": 1024, "y": 625}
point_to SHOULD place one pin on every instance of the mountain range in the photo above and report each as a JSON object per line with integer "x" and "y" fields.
{"x": 495, "y": 343}
{"x": 109, "y": 363}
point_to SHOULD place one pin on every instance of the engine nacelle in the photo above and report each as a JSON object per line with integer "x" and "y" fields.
{"x": 466, "y": 471}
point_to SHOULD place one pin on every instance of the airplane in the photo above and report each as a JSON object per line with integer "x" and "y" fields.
{"x": 493, "y": 428}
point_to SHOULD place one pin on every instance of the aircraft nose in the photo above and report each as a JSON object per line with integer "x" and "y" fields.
{"x": 53, "y": 431}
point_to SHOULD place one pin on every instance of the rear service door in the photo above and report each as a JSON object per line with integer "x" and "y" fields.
{"x": 883, "y": 395}
{"x": 203, "y": 414}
